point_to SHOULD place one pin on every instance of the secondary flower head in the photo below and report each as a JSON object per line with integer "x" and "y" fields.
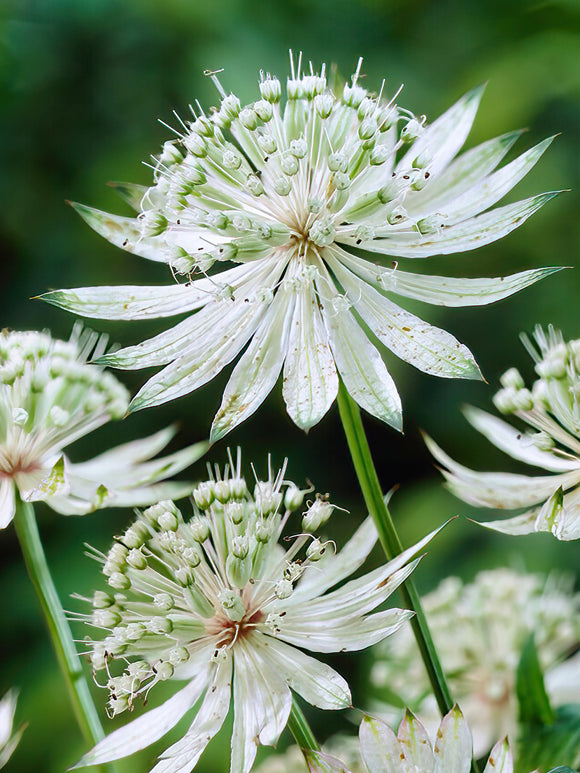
{"x": 262, "y": 211}
{"x": 479, "y": 630}
{"x": 550, "y": 408}
{"x": 8, "y": 740}
{"x": 49, "y": 397}
{"x": 216, "y": 601}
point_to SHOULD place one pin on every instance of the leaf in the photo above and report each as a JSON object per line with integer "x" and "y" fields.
{"x": 534, "y": 704}
{"x": 545, "y": 747}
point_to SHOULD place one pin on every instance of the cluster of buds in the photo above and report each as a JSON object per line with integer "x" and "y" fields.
{"x": 556, "y": 391}
{"x": 47, "y": 387}
{"x": 173, "y": 583}
{"x": 231, "y": 187}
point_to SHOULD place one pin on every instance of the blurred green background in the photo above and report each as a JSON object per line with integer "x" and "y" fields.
{"x": 81, "y": 86}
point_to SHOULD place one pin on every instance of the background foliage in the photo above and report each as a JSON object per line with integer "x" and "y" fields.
{"x": 81, "y": 84}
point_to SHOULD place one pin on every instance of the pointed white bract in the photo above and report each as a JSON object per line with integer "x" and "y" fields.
{"x": 411, "y": 750}
{"x": 379, "y": 750}
{"x": 479, "y": 630}
{"x": 49, "y": 397}
{"x": 218, "y": 601}
{"x": 548, "y": 438}
{"x": 9, "y": 739}
{"x": 285, "y": 191}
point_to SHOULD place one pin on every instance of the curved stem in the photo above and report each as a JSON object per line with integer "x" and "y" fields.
{"x": 373, "y": 496}
{"x": 300, "y": 729}
{"x": 60, "y": 634}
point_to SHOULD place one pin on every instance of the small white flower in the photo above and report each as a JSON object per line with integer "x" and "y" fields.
{"x": 289, "y": 194}
{"x": 551, "y": 408}
{"x": 218, "y": 602}
{"x": 479, "y": 630}
{"x": 49, "y": 397}
{"x": 8, "y": 740}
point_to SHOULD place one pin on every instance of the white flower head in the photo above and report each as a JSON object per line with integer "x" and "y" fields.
{"x": 263, "y": 209}
{"x": 549, "y": 412}
{"x": 479, "y": 630}
{"x": 51, "y": 396}
{"x": 8, "y": 740}
{"x": 218, "y": 602}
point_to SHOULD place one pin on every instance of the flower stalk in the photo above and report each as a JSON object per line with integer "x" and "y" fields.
{"x": 300, "y": 729}
{"x": 389, "y": 538}
{"x": 60, "y": 634}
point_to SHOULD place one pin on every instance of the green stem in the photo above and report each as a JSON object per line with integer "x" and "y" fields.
{"x": 35, "y": 560}
{"x": 373, "y": 496}
{"x": 300, "y": 728}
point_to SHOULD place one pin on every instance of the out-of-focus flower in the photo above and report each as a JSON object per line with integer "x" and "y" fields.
{"x": 8, "y": 740}
{"x": 551, "y": 408}
{"x": 343, "y": 748}
{"x": 289, "y": 194}
{"x": 218, "y": 602}
{"x": 410, "y": 750}
{"x": 479, "y": 630}
{"x": 49, "y": 397}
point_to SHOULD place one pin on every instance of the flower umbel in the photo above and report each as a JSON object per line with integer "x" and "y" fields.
{"x": 49, "y": 397}
{"x": 479, "y": 630}
{"x": 216, "y": 601}
{"x": 551, "y": 409}
{"x": 288, "y": 193}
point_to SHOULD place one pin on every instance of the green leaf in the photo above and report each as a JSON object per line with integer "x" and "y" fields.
{"x": 534, "y": 704}
{"x": 548, "y": 746}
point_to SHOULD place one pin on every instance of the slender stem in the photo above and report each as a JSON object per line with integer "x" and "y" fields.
{"x": 300, "y": 728}
{"x": 35, "y": 560}
{"x": 373, "y": 496}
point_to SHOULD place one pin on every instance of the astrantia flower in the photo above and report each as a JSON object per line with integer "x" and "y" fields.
{"x": 287, "y": 194}
{"x": 479, "y": 630}
{"x": 50, "y": 397}
{"x": 551, "y": 410}
{"x": 8, "y": 740}
{"x": 218, "y": 602}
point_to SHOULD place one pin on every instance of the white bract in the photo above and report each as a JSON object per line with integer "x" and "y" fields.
{"x": 8, "y": 740}
{"x": 479, "y": 630}
{"x": 290, "y": 194}
{"x": 551, "y": 410}
{"x": 49, "y": 397}
{"x": 218, "y": 602}
{"x": 410, "y": 751}
{"x": 379, "y": 750}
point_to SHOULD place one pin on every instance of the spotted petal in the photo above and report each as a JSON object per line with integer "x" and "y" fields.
{"x": 182, "y": 757}
{"x": 428, "y": 348}
{"x": 444, "y": 290}
{"x": 467, "y": 235}
{"x": 379, "y": 747}
{"x": 256, "y": 373}
{"x": 453, "y": 745}
{"x": 310, "y": 379}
